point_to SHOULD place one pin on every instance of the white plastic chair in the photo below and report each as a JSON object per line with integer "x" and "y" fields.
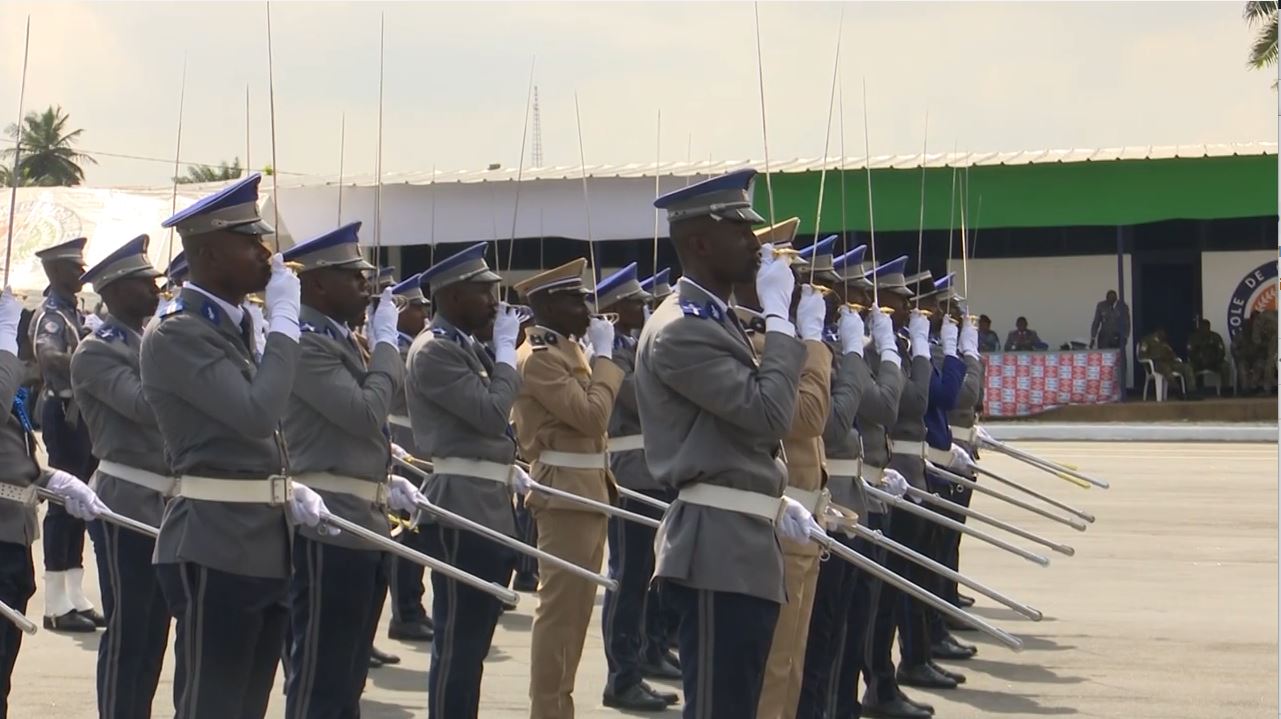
{"x": 1155, "y": 379}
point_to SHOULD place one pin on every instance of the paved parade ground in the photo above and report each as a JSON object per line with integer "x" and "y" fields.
{"x": 1169, "y": 608}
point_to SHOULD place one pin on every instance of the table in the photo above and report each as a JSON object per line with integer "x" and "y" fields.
{"x": 1017, "y": 384}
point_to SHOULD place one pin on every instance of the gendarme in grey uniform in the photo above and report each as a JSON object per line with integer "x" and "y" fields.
{"x": 460, "y": 403}
{"x": 126, "y": 435}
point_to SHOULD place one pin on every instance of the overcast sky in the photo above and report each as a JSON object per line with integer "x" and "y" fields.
{"x": 994, "y": 76}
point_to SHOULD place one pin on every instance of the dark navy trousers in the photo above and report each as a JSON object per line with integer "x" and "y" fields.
{"x": 70, "y": 450}
{"x": 17, "y": 584}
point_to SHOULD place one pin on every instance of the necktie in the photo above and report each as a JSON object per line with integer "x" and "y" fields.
{"x": 247, "y": 333}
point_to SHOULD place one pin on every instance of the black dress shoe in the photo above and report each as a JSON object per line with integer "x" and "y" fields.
{"x": 949, "y": 648}
{"x": 410, "y": 631}
{"x": 954, "y": 676}
{"x": 384, "y": 657}
{"x": 72, "y": 622}
{"x": 669, "y": 697}
{"x": 635, "y": 698}
{"x": 924, "y": 677}
{"x": 661, "y": 669}
{"x": 963, "y": 601}
{"x": 896, "y": 708}
{"x": 527, "y": 583}
{"x": 374, "y": 662}
{"x": 94, "y": 616}
{"x": 918, "y": 704}
{"x": 670, "y": 657}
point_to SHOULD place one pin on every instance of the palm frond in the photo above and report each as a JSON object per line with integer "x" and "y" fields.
{"x": 1258, "y": 12}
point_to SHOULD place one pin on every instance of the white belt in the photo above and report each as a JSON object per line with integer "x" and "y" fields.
{"x": 373, "y": 492}
{"x": 141, "y": 477}
{"x": 964, "y": 434}
{"x": 941, "y": 457}
{"x": 400, "y": 420}
{"x": 815, "y": 500}
{"x": 21, "y": 495}
{"x": 478, "y": 468}
{"x": 571, "y": 460}
{"x": 844, "y": 467}
{"x": 734, "y": 500}
{"x": 627, "y": 443}
{"x": 907, "y": 448}
{"x": 274, "y": 490}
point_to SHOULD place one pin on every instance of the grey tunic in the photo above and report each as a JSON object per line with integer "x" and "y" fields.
{"x": 840, "y": 439}
{"x": 877, "y": 410}
{"x": 17, "y": 458}
{"x": 967, "y": 401}
{"x": 220, "y": 416}
{"x": 56, "y": 329}
{"x": 629, "y": 467}
{"x": 909, "y": 425}
{"x": 713, "y": 414}
{"x": 107, "y": 383}
{"x": 336, "y": 417}
{"x": 460, "y": 404}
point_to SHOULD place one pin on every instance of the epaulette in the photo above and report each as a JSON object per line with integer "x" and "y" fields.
{"x": 541, "y": 341}
{"x": 173, "y": 308}
{"x": 454, "y": 335}
{"x": 109, "y": 333}
{"x": 710, "y": 310}
{"x": 831, "y": 335}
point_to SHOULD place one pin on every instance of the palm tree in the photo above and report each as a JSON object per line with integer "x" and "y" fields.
{"x": 209, "y": 173}
{"x": 1262, "y": 15}
{"x": 49, "y": 158}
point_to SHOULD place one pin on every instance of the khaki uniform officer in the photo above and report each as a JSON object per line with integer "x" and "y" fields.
{"x": 803, "y": 454}
{"x": 562, "y": 415}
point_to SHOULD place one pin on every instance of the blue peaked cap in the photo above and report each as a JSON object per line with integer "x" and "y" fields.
{"x": 621, "y": 285}
{"x": 234, "y": 208}
{"x": 853, "y": 257}
{"x": 893, "y": 267}
{"x": 728, "y": 197}
{"x": 128, "y": 261}
{"x": 662, "y": 278}
{"x": 822, "y": 247}
{"x": 944, "y": 282}
{"x": 338, "y": 248}
{"x": 408, "y": 285}
{"x": 178, "y": 269}
{"x": 466, "y": 266}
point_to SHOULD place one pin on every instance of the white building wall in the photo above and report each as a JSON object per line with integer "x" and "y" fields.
{"x": 1221, "y": 273}
{"x": 1056, "y": 294}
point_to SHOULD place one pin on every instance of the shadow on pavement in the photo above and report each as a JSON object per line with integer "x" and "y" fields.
{"x": 370, "y": 709}
{"x": 991, "y": 702}
{"x": 399, "y": 679}
{"x": 1014, "y": 672}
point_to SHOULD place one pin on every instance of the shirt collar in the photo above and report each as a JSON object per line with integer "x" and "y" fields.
{"x": 234, "y": 313}
{"x": 719, "y": 302}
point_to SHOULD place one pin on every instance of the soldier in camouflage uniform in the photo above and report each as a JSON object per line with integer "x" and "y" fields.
{"x": 1157, "y": 348}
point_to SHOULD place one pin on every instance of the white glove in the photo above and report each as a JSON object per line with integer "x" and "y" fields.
{"x": 308, "y": 509}
{"x": 92, "y": 322}
{"x": 894, "y": 483}
{"x": 882, "y": 330}
{"x": 600, "y": 335}
{"x": 506, "y": 329}
{"x": 774, "y": 285}
{"x": 81, "y": 501}
{"x": 382, "y": 325}
{"x": 403, "y": 496}
{"x": 522, "y": 483}
{"x": 399, "y": 452}
{"x": 961, "y": 460}
{"x": 797, "y": 523}
{"x": 918, "y": 332}
{"x": 969, "y": 344}
{"x": 850, "y": 329}
{"x": 283, "y": 297}
{"x": 983, "y": 435}
{"x": 10, "y": 316}
{"x": 948, "y": 335}
{"x": 810, "y": 312}
{"x": 256, "y": 315}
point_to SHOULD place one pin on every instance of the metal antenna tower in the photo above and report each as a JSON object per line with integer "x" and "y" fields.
{"x": 536, "y": 154}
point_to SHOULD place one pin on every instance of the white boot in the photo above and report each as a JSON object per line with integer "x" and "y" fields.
{"x": 76, "y": 591}
{"x": 56, "y": 601}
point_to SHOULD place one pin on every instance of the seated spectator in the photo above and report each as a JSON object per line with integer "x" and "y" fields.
{"x": 989, "y": 341}
{"x": 1207, "y": 352}
{"x": 1023, "y": 339}
{"x": 1157, "y": 348}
